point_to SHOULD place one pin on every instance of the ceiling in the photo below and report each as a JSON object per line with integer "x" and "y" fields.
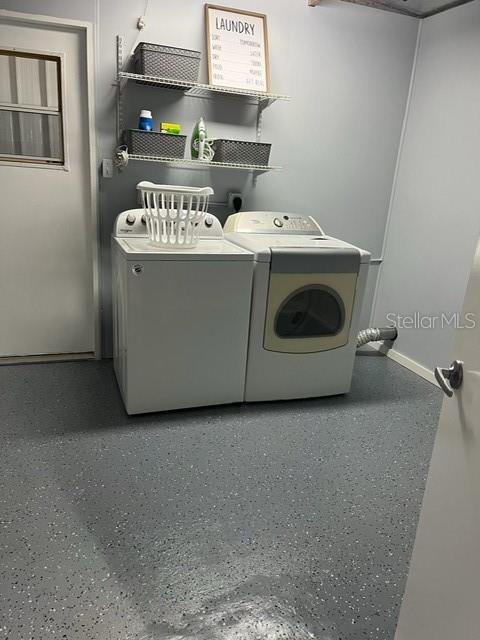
{"x": 417, "y": 8}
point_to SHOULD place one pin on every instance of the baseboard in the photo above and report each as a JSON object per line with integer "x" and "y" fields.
{"x": 405, "y": 361}
{"x": 48, "y": 357}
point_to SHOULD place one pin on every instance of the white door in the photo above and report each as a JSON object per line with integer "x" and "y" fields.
{"x": 442, "y": 597}
{"x": 47, "y": 223}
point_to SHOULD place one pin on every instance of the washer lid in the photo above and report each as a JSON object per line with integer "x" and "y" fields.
{"x": 263, "y": 244}
{"x": 142, "y": 248}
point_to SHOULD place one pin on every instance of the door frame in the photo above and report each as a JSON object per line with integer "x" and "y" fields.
{"x": 85, "y": 29}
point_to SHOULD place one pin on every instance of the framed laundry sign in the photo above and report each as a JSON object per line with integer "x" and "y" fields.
{"x": 237, "y": 46}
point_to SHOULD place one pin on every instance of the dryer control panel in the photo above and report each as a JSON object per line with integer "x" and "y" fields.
{"x": 272, "y": 222}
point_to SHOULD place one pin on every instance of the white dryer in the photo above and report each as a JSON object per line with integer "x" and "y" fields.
{"x": 307, "y": 294}
{"x": 180, "y": 317}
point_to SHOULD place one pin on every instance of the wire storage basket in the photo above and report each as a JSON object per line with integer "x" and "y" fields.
{"x": 173, "y": 214}
{"x": 154, "y": 143}
{"x": 167, "y": 62}
{"x": 241, "y": 151}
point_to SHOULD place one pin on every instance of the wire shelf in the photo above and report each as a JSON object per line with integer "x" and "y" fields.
{"x": 198, "y": 89}
{"x": 202, "y": 164}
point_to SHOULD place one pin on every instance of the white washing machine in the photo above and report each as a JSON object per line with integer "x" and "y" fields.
{"x": 180, "y": 316}
{"x": 307, "y": 294}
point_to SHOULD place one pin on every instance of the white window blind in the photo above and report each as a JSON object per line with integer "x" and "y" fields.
{"x": 30, "y": 108}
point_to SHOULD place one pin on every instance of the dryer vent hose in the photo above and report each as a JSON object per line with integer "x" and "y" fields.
{"x": 374, "y": 335}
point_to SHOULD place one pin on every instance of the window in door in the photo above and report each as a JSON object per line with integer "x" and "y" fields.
{"x": 31, "y": 127}
{"x": 310, "y": 312}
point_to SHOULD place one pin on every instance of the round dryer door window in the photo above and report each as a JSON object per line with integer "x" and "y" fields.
{"x": 310, "y": 312}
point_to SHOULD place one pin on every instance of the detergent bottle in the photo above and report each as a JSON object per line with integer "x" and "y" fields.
{"x": 145, "y": 121}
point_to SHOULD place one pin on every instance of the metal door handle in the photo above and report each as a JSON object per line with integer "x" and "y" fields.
{"x": 451, "y": 378}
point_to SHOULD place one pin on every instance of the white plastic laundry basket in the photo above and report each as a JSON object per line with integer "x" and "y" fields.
{"x": 173, "y": 214}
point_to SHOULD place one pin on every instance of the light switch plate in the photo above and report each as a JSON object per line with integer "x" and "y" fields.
{"x": 107, "y": 168}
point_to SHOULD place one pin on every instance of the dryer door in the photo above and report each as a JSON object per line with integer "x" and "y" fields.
{"x": 310, "y": 299}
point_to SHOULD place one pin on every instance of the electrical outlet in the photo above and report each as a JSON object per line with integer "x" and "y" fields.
{"x": 107, "y": 168}
{"x": 230, "y": 198}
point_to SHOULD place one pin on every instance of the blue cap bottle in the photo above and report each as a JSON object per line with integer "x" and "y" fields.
{"x": 145, "y": 121}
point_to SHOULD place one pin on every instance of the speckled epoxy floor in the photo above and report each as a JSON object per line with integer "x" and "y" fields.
{"x": 288, "y": 520}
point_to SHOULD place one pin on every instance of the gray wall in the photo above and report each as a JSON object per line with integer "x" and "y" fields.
{"x": 347, "y": 69}
{"x": 435, "y": 217}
